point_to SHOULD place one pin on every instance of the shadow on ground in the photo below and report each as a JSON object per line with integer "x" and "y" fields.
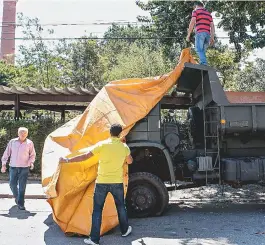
{"x": 204, "y": 224}
{"x": 14, "y": 212}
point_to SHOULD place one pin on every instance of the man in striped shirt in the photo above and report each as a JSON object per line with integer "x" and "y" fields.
{"x": 204, "y": 30}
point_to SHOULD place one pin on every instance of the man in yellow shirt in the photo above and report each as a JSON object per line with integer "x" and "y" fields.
{"x": 113, "y": 153}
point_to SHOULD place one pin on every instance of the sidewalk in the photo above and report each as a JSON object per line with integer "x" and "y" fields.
{"x": 210, "y": 193}
{"x": 33, "y": 191}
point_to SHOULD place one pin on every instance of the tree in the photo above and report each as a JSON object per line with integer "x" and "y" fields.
{"x": 8, "y": 73}
{"x": 252, "y": 77}
{"x": 138, "y": 62}
{"x": 170, "y": 20}
{"x": 85, "y": 63}
{"x": 244, "y": 21}
{"x": 222, "y": 60}
{"x": 238, "y": 18}
{"x": 46, "y": 63}
{"x": 58, "y": 63}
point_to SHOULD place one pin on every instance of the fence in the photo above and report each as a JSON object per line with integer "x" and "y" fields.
{"x": 38, "y": 131}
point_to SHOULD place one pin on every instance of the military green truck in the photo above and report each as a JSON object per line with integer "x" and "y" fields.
{"x": 226, "y": 143}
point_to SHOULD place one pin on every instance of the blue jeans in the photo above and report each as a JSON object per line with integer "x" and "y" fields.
{"x": 101, "y": 191}
{"x": 18, "y": 180}
{"x": 202, "y": 40}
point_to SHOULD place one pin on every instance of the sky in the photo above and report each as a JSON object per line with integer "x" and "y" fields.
{"x": 85, "y": 12}
{"x": 78, "y": 11}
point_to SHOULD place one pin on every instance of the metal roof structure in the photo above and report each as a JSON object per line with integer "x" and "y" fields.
{"x": 49, "y": 91}
{"x": 53, "y": 99}
{"x": 58, "y": 99}
{"x": 43, "y": 96}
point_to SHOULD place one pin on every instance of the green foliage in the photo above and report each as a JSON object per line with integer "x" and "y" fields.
{"x": 38, "y": 59}
{"x": 252, "y": 77}
{"x": 8, "y": 73}
{"x": 122, "y": 55}
{"x": 85, "y": 64}
{"x": 171, "y": 19}
{"x": 223, "y": 61}
{"x": 138, "y": 62}
{"x": 38, "y": 131}
{"x": 132, "y": 57}
{"x": 244, "y": 21}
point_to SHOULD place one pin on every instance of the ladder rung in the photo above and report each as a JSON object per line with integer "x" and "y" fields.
{"x": 208, "y": 136}
{"x": 212, "y": 152}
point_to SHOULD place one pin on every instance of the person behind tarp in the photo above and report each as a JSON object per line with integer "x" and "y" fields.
{"x": 22, "y": 157}
{"x": 204, "y": 30}
{"x": 113, "y": 153}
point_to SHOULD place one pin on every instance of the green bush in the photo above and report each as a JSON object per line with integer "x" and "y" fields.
{"x": 38, "y": 131}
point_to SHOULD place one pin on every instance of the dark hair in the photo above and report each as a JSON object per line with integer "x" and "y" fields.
{"x": 198, "y": 3}
{"x": 115, "y": 130}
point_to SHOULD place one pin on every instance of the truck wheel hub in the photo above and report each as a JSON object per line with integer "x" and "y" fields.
{"x": 141, "y": 199}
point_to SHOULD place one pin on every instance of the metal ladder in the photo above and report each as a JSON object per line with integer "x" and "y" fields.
{"x": 216, "y": 151}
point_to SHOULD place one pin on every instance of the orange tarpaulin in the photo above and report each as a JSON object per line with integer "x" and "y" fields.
{"x": 70, "y": 187}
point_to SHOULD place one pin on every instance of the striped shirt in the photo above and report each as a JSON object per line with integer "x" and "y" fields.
{"x": 203, "y": 20}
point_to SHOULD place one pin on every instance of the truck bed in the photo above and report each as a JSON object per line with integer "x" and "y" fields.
{"x": 245, "y": 97}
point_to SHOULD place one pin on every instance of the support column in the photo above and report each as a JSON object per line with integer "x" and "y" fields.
{"x": 17, "y": 107}
{"x": 63, "y": 115}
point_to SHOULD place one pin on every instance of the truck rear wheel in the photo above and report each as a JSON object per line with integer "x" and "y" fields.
{"x": 146, "y": 196}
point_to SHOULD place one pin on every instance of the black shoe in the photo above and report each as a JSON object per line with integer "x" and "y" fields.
{"x": 21, "y": 207}
{"x": 16, "y": 201}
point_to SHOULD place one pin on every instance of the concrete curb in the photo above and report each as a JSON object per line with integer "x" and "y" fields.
{"x": 30, "y": 178}
{"x": 205, "y": 201}
{"x": 26, "y": 196}
{"x": 172, "y": 201}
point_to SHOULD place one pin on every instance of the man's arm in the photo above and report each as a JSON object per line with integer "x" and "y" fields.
{"x": 79, "y": 158}
{"x": 96, "y": 150}
{"x": 212, "y": 33}
{"x": 32, "y": 156}
{"x": 129, "y": 159}
{"x": 191, "y": 26}
{"x": 6, "y": 156}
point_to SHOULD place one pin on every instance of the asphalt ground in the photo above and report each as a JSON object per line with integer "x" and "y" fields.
{"x": 182, "y": 224}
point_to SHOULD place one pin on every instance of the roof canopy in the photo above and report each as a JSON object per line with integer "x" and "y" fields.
{"x": 46, "y": 98}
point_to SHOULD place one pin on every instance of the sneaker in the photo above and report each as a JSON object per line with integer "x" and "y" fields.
{"x": 129, "y": 231}
{"x": 90, "y": 242}
{"x": 21, "y": 207}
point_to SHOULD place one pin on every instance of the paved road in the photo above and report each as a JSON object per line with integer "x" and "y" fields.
{"x": 213, "y": 224}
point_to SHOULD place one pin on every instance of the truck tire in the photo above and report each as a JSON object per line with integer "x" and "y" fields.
{"x": 146, "y": 196}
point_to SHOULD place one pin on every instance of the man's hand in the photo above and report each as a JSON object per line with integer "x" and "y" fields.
{"x": 212, "y": 41}
{"x": 3, "y": 169}
{"x": 123, "y": 139}
{"x": 63, "y": 160}
{"x": 188, "y": 38}
{"x": 31, "y": 166}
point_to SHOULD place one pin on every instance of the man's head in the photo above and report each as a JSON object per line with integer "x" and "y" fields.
{"x": 115, "y": 130}
{"x": 198, "y": 4}
{"x": 23, "y": 133}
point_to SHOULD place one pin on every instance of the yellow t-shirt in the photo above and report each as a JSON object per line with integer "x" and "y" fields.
{"x": 112, "y": 154}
